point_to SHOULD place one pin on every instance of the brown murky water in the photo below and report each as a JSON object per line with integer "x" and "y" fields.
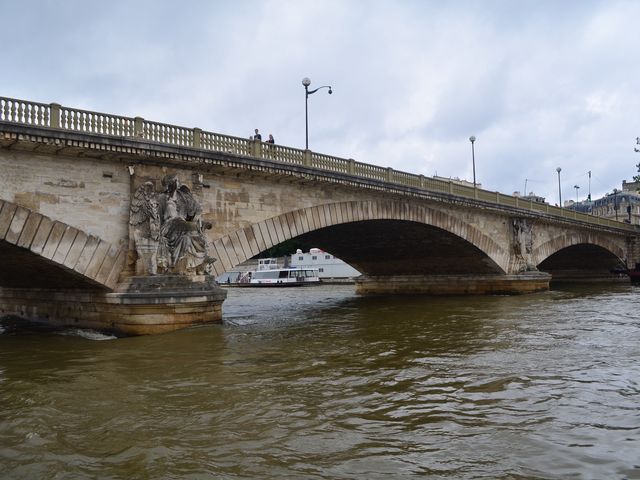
{"x": 320, "y": 383}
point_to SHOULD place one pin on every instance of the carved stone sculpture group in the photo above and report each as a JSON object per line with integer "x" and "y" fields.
{"x": 523, "y": 244}
{"x": 168, "y": 231}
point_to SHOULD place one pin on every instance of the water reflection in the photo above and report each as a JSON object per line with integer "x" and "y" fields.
{"x": 320, "y": 383}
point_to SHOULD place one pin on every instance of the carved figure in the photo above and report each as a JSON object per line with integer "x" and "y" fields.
{"x": 168, "y": 230}
{"x": 144, "y": 217}
{"x": 523, "y": 244}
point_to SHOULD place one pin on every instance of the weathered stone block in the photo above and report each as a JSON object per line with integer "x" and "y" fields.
{"x": 6, "y": 216}
{"x": 57, "y": 232}
{"x": 17, "y": 224}
{"x": 30, "y": 229}
{"x": 86, "y": 255}
{"x": 75, "y": 250}
{"x": 96, "y": 261}
{"x": 42, "y": 235}
{"x": 65, "y": 244}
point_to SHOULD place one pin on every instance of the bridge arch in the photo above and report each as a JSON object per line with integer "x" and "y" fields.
{"x": 570, "y": 239}
{"x": 576, "y": 255}
{"x": 38, "y": 252}
{"x": 248, "y": 242}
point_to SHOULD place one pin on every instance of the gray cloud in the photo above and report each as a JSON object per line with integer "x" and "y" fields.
{"x": 540, "y": 84}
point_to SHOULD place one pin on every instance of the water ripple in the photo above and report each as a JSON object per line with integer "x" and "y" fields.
{"x": 337, "y": 386}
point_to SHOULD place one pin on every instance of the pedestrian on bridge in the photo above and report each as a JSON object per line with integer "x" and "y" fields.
{"x": 257, "y": 136}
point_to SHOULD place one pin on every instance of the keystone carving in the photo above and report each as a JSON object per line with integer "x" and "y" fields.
{"x": 168, "y": 231}
{"x": 522, "y": 242}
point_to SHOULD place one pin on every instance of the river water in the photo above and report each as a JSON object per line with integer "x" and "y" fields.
{"x": 321, "y": 383}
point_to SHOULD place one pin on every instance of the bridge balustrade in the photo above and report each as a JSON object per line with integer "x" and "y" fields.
{"x": 21, "y": 111}
{"x": 372, "y": 172}
{"x": 327, "y": 162}
{"x": 90, "y": 122}
{"x": 169, "y": 134}
{"x": 407, "y": 179}
{"x": 507, "y": 200}
{"x": 224, "y": 143}
{"x": 436, "y": 185}
{"x": 64, "y": 118}
{"x": 280, "y": 153}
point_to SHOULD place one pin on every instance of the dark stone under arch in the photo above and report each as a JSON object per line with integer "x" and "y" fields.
{"x": 581, "y": 261}
{"x": 22, "y": 268}
{"x": 394, "y": 247}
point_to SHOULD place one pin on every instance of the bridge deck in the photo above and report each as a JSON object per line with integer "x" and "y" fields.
{"x": 72, "y": 120}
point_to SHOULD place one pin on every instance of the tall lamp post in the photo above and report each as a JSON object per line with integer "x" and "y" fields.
{"x": 577, "y": 187}
{"x": 559, "y": 189}
{"x": 472, "y": 139}
{"x": 306, "y": 82}
{"x": 589, "y": 196}
{"x": 615, "y": 202}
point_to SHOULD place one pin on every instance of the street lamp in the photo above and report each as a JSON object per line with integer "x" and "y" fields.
{"x": 472, "y": 139}
{"x": 577, "y": 187}
{"x": 559, "y": 189}
{"x": 615, "y": 202}
{"x": 306, "y": 82}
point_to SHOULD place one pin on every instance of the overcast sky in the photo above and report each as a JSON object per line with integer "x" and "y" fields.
{"x": 541, "y": 84}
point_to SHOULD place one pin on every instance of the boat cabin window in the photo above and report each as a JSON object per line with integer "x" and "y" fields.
{"x": 265, "y": 274}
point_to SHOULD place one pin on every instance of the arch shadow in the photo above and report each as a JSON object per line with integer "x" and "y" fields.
{"x": 579, "y": 255}
{"x": 38, "y": 252}
{"x": 376, "y": 237}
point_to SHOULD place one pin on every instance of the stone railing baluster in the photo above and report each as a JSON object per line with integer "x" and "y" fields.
{"x": 138, "y": 123}
{"x": 13, "y": 114}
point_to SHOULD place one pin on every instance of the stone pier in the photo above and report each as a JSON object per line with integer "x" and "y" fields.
{"x": 453, "y": 284}
{"x": 138, "y": 306}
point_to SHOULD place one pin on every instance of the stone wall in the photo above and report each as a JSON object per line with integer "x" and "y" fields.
{"x": 252, "y": 210}
{"x": 89, "y": 194}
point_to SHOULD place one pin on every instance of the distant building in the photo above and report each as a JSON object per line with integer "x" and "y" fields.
{"x": 633, "y": 187}
{"x": 329, "y": 266}
{"x": 532, "y": 197}
{"x": 457, "y": 181}
{"x": 621, "y": 205}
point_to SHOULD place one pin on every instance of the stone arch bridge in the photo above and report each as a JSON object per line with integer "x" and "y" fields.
{"x": 68, "y": 178}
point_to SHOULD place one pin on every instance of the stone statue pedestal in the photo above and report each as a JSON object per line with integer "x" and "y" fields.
{"x": 147, "y": 250}
{"x": 138, "y": 306}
